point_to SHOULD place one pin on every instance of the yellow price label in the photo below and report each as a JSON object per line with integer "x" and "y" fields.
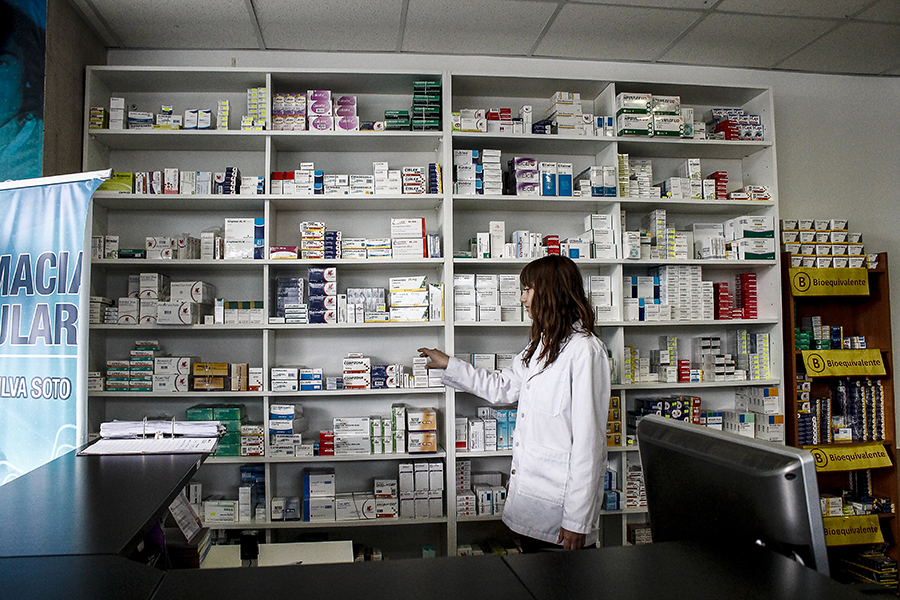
{"x": 850, "y": 458}
{"x": 843, "y": 363}
{"x": 844, "y": 531}
{"x": 829, "y": 282}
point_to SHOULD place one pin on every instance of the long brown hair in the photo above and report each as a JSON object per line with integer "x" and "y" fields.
{"x": 557, "y": 306}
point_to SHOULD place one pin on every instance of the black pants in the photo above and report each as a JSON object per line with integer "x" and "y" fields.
{"x": 531, "y": 545}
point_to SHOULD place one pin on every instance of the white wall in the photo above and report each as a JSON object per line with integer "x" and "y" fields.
{"x": 838, "y": 137}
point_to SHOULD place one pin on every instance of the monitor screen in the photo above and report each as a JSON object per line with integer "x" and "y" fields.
{"x": 719, "y": 486}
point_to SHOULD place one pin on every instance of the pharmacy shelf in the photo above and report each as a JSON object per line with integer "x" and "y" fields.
{"x": 246, "y": 202}
{"x": 454, "y": 217}
{"x": 362, "y": 264}
{"x": 529, "y": 143}
{"x": 357, "y": 141}
{"x": 657, "y": 147}
{"x": 524, "y": 144}
{"x": 184, "y": 328}
{"x": 179, "y": 202}
{"x": 360, "y": 326}
{"x": 639, "y": 510}
{"x": 331, "y": 394}
{"x": 373, "y": 202}
{"x": 399, "y": 456}
{"x": 704, "y": 323}
{"x": 521, "y": 262}
{"x": 462, "y": 455}
{"x": 661, "y": 385}
{"x": 184, "y": 264}
{"x": 588, "y": 204}
{"x": 382, "y": 522}
{"x": 478, "y": 518}
{"x": 629, "y": 324}
{"x": 183, "y": 140}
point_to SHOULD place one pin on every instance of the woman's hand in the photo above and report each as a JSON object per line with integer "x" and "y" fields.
{"x": 439, "y": 360}
{"x": 571, "y": 540}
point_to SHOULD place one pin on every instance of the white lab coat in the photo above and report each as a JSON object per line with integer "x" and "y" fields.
{"x": 559, "y": 444}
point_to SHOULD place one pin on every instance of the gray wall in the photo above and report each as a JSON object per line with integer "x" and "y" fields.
{"x": 71, "y": 46}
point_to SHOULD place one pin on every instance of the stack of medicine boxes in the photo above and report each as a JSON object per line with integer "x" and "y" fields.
{"x": 421, "y": 430}
{"x": 566, "y": 114}
{"x": 318, "y": 495}
{"x": 283, "y": 442}
{"x": 231, "y": 416}
{"x": 322, "y": 294}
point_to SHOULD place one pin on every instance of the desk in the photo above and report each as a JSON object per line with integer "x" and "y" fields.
{"x": 79, "y": 505}
{"x": 275, "y": 555}
{"x": 468, "y": 578}
{"x": 674, "y": 571}
{"x": 76, "y": 578}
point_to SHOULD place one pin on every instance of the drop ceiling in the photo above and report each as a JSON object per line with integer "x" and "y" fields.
{"x": 859, "y": 37}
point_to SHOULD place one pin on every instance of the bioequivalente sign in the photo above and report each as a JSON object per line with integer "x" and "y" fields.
{"x": 829, "y": 282}
{"x": 844, "y": 531}
{"x": 850, "y": 458}
{"x": 843, "y": 363}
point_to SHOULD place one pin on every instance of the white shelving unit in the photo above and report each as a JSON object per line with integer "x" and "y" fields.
{"x": 456, "y": 218}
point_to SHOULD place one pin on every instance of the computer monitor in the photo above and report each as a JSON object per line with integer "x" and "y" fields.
{"x": 718, "y": 486}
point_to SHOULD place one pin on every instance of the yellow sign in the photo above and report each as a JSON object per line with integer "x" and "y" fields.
{"x": 843, "y": 363}
{"x": 844, "y": 531}
{"x": 829, "y": 282}
{"x": 849, "y": 458}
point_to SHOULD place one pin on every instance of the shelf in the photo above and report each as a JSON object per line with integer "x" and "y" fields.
{"x": 358, "y": 457}
{"x": 584, "y": 204}
{"x": 640, "y": 510}
{"x": 146, "y": 263}
{"x": 462, "y": 455}
{"x": 299, "y": 394}
{"x": 726, "y": 264}
{"x": 357, "y": 203}
{"x": 357, "y": 141}
{"x": 362, "y": 264}
{"x": 479, "y": 518}
{"x": 257, "y": 202}
{"x": 655, "y": 147}
{"x": 651, "y": 147}
{"x": 180, "y": 202}
{"x": 324, "y": 524}
{"x": 185, "y": 139}
{"x": 272, "y": 327}
{"x": 685, "y": 386}
{"x": 630, "y": 324}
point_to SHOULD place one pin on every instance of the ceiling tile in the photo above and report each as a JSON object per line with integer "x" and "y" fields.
{"x": 504, "y": 27}
{"x": 172, "y": 24}
{"x": 866, "y": 48}
{"x": 886, "y": 11}
{"x": 333, "y": 25}
{"x": 744, "y": 41}
{"x": 836, "y": 9}
{"x": 613, "y": 32}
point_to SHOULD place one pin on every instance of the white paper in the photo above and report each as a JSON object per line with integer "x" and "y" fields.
{"x": 178, "y": 445}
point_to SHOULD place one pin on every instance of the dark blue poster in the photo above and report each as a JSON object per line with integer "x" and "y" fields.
{"x": 23, "y": 26}
{"x": 43, "y": 323}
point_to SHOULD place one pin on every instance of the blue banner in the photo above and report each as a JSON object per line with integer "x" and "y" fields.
{"x": 44, "y": 271}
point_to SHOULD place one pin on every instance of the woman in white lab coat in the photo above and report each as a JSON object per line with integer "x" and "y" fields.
{"x": 561, "y": 381}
